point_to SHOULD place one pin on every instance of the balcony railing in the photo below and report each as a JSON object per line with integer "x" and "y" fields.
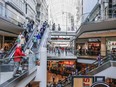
{"x": 97, "y": 16}
{"x": 97, "y": 63}
{"x": 9, "y": 15}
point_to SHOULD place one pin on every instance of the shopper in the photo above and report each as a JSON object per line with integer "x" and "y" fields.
{"x": 19, "y": 36}
{"x": 99, "y": 59}
{"x": 32, "y": 24}
{"x": 22, "y": 42}
{"x": 38, "y": 38}
{"x": 29, "y": 26}
{"x": 34, "y": 41}
{"x": 17, "y": 58}
{"x": 53, "y": 77}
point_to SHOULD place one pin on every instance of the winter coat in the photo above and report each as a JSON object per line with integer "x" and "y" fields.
{"x": 17, "y": 54}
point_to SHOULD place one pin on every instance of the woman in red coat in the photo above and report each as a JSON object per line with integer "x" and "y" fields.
{"x": 17, "y": 59}
{"x": 18, "y": 54}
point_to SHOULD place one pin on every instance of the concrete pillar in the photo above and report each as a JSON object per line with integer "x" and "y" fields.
{"x": 43, "y": 64}
{"x": 42, "y": 69}
{"x": 102, "y": 9}
{"x": 103, "y": 46}
{"x": 41, "y": 75}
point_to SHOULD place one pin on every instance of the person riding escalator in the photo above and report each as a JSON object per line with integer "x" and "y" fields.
{"x": 18, "y": 59}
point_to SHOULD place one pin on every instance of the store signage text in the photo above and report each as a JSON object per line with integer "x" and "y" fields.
{"x": 86, "y": 82}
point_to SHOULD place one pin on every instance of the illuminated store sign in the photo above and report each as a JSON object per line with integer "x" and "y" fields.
{"x": 83, "y": 82}
{"x": 88, "y": 81}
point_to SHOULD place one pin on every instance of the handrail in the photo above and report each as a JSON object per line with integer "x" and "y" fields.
{"x": 95, "y": 64}
{"x": 11, "y": 58}
{"x": 14, "y": 46}
{"x": 85, "y": 18}
{"x": 35, "y": 29}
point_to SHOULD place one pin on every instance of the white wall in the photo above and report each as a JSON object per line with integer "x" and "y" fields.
{"x": 31, "y": 9}
{"x": 19, "y": 4}
{"x": 13, "y": 15}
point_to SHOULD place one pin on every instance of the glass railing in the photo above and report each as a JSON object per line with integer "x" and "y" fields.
{"x": 97, "y": 64}
{"x": 9, "y": 15}
{"x": 92, "y": 53}
{"x": 98, "y": 16}
{"x": 29, "y": 43}
{"x": 11, "y": 51}
{"x": 14, "y": 69}
{"x": 27, "y": 64}
{"x": 60, "y": 51}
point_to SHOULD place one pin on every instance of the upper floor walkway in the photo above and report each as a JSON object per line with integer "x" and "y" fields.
{"x": 61, "y": 56}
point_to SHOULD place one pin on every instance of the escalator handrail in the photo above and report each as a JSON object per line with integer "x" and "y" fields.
{"x": 25, "y": 44}
{"x": 104, "y": 60}
{"x": 13, "y": 47}
{"x": 30, "y": 38}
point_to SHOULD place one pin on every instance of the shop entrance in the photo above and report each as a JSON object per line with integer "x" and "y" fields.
{"x": 94, "y": 48}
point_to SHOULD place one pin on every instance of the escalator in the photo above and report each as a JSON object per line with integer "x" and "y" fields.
{"x": 11, "y": 52}
{"x": 106, "y": 68}
{"x": 27, "y": 74}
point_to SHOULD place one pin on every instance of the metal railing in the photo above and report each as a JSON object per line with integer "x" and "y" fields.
{"x": 98, "y": 16}
{"x": 58, "y": 51}
{"x": 8, "y": 14}
{"x": 97, "y": 64}
{"x": 27, "y": 63}
{"x": 11, "y": 51}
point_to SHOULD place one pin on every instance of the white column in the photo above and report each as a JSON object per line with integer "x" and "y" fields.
{"x": 42, "y": 69}
{"x": 43, "y": 64}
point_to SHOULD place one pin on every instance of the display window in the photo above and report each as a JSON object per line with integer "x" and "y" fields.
{"x": 111, "y": 46}
{"x": 94, "y": 48}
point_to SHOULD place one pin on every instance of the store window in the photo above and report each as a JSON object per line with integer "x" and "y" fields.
{"x": 94, "y": 48}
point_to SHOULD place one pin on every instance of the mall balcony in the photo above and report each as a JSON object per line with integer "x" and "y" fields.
{"x": 10, "y": 22}
{"x": 60, "y": 53}
{"x": 96, "y": 27}
{"x": 104, "y": 67}
{"x": 97, "y": 20}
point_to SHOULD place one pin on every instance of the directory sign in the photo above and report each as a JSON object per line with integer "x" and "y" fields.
{"x": 83, "y": 81}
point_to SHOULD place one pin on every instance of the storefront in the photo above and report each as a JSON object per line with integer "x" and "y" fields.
{"x": 90, "y": 47}
{"x": 62, "y": 67}
{"x": 8, "y": 42}
{"x": 111, "y": 44}
{"x": 94, "y": 46}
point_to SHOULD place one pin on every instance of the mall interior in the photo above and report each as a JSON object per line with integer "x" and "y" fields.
{"x": 57, "y": 43}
